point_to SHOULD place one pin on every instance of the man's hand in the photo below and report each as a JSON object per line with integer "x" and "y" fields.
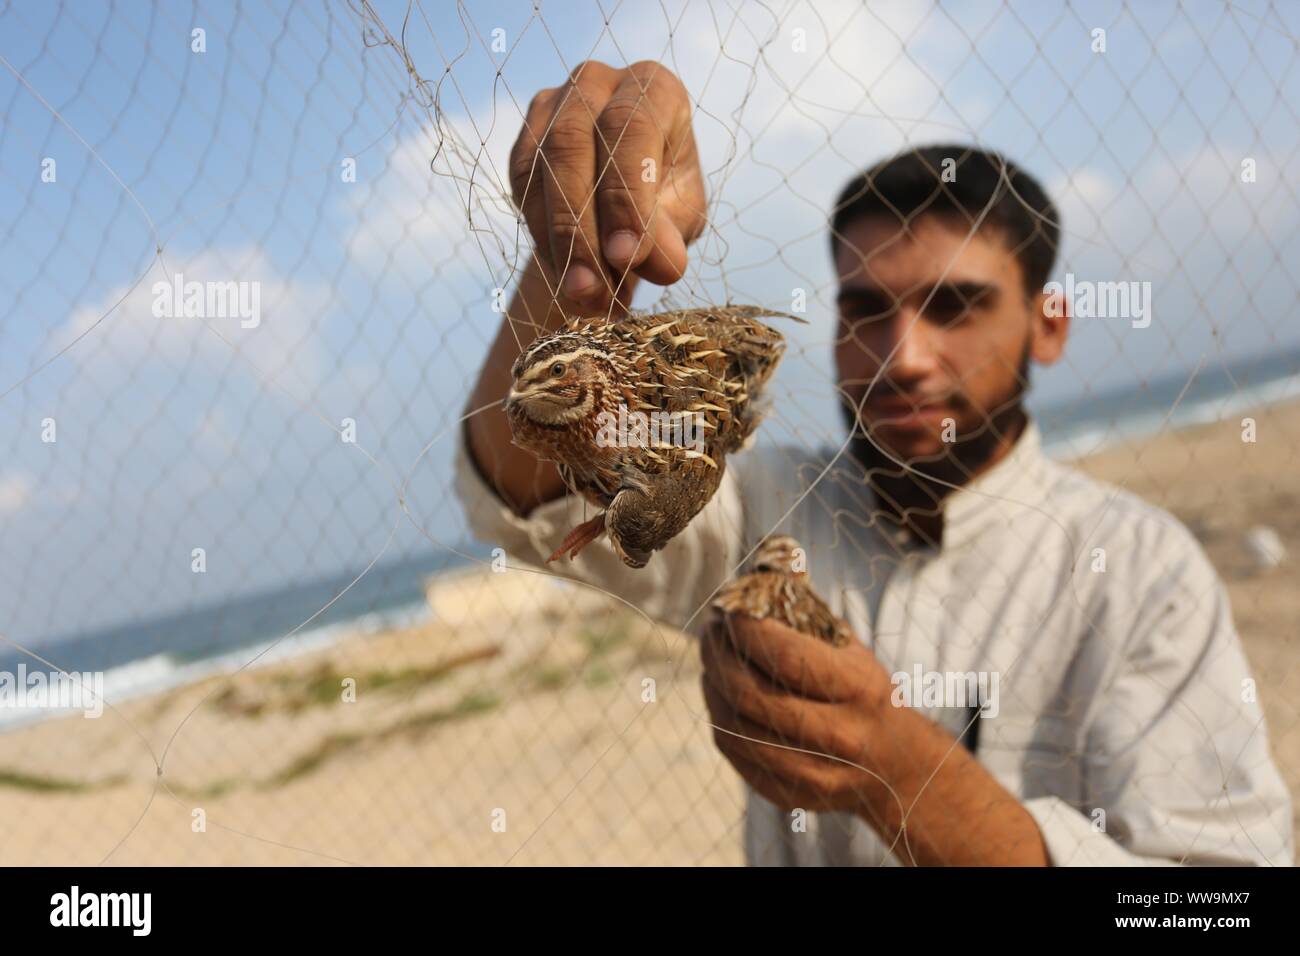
{"x": 766, "y": 682}
{"x": 770, "y": 689}
{"x": 607, "y": 176}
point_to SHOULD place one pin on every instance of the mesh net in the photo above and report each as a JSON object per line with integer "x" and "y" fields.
{"x": 257, "y": 258}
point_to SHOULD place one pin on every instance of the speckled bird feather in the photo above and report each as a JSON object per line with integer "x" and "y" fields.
{"x": 773, "y": 590}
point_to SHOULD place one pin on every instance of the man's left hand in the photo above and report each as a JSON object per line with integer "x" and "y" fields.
{"x": 785, "y": 705}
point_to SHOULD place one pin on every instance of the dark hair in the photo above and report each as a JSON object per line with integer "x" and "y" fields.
{"x": 984, "y": 186}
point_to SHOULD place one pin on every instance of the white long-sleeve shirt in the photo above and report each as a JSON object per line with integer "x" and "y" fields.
{"x": 1125, "y": 719}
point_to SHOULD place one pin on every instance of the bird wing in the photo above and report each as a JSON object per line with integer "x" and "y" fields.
{"x": 714, "y": 362}
{"x": 766, "y": 594}
{"x": 813, "y": 616}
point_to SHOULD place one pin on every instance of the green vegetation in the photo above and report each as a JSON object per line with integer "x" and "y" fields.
{"x": 46, "y": 784}
{"x": 323, "y": 686}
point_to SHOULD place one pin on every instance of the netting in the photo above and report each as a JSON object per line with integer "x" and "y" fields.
{"x": 266, "y": 269}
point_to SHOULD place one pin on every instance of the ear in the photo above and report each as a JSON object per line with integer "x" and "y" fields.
{"x": 1049, "y": 313}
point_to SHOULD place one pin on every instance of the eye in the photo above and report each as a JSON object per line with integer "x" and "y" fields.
{"x": 557, "y": 370}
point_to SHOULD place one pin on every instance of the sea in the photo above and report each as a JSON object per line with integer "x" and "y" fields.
{"x": 147, "y": 656}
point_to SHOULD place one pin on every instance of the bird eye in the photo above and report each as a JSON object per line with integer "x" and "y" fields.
{"x": 557, "y": 369}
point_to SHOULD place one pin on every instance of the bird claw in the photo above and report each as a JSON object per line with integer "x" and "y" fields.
{"x": 579, "y": 538}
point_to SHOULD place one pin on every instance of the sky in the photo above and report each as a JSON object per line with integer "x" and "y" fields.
{"x": 376, "y": 294}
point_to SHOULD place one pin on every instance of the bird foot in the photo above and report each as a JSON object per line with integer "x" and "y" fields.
{"x": 579, "y": 538}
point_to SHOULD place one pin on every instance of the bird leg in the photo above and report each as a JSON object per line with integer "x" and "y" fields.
{"x": 579, "y": 538}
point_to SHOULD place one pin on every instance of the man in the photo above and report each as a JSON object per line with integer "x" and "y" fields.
{"x": 1105, "y": 721}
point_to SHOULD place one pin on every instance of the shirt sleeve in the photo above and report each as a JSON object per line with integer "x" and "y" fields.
{"x": 677, "y": 582}
{"x": 1177, "y": 766}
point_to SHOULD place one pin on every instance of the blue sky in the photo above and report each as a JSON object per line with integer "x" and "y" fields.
{"x": 376, "y": 294}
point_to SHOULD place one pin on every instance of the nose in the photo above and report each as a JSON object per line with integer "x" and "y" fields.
{"x": 913, "y": 357}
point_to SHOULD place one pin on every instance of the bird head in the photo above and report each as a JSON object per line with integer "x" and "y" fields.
{"x": 555, "y": 382}
{"x": 780, "y": 553}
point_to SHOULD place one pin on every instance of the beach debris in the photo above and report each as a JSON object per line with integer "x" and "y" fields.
{"x": 1265, "y": 547}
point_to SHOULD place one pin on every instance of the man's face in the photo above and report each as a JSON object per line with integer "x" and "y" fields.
{"x": 935, "y": 331}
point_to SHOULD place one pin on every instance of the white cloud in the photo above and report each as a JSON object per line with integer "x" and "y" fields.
{"x": 1167, "y": 207}
{"x": 1082, "y": 195}
{"x": 415, "y": 217}
{"x": 282, "y": 343}
{"x": 1205, "y": 185}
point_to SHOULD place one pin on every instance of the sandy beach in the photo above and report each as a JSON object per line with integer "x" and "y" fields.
{"x": 512, "y": 728}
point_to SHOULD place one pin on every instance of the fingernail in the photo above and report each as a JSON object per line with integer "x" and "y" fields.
{"x": 621, "y": 245}
{"x": 579, "y": 279}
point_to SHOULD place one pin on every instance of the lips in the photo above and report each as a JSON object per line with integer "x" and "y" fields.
{"x": 891, "y": 404}
{"x": 899, "y": 411}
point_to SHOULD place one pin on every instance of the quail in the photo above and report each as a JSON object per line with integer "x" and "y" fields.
{"x": 639, "y": 413}
{"x": 777, "y": 587}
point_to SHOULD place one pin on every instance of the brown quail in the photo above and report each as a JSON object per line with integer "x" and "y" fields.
{"x": 778, "y": 588}
{"x": 639, "y": 412}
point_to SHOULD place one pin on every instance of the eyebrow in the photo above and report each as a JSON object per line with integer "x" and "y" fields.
{"x": 861, "y": 295}
{"x": 970, "y": 292}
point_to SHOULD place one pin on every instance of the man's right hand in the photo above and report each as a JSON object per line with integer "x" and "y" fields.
{"x": 607, "y": 176}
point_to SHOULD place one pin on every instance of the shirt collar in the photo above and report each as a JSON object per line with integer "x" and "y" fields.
{"x": 1006, "y": 487}
{"x": 995, "y": 494}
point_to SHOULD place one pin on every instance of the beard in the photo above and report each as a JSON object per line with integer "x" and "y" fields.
{"x": 928, "y": 479}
